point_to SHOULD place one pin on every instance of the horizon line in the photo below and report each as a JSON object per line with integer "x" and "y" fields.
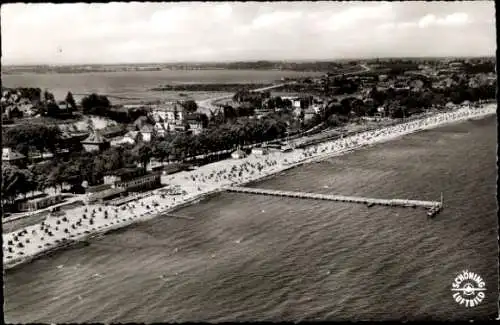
{"x": 250, "y": 61}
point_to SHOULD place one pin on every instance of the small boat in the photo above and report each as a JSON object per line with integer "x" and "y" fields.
{"x": 286, "y": 148}
{"x": 370, "y": 204}
{"x": 433, "y": 211}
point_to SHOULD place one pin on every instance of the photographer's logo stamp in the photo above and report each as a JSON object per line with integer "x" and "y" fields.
{"x": 468, "y": 288}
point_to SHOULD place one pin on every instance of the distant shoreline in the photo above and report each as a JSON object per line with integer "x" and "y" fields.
{"x": 213, "y": 87}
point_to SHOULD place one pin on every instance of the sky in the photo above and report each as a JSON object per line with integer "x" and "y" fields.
{"x": 139, "y": 32}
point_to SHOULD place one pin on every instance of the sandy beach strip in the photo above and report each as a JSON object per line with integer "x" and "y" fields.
{"x": 83, "y": 222}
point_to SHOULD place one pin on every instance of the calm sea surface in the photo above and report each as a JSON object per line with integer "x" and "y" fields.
{"x": 137, "y": 84}
{"x": 249, "y": 258}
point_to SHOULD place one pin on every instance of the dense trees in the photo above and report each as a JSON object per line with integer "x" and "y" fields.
{"x": 278, "y": 103}
{"x": 15, "y": 181}
{"x": 70, "y": 101}
{"x": 95, "y": 104}
{"x": 48, "y": 97}
{"x": 27, "y": 137}
{"x": 254, "y": 98}
{"x": 100, "y": 105}
{"x": 143, "y": 154}
{"x": 49, "y": 107}
{"x": 32, "y": 94}
{"x": 190, "y": 106}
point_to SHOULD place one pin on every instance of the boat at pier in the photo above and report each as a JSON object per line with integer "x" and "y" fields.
{"x": 435, "y": 209}
{"x": 286, "y": 148}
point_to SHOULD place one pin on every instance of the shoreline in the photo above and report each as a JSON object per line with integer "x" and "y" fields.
{"x": 193, "y": 181}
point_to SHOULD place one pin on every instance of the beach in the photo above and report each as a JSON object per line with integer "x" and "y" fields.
{"x": 79, "y": 223}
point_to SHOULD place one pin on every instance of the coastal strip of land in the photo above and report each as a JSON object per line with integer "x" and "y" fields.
{"x": 82, "y": 222}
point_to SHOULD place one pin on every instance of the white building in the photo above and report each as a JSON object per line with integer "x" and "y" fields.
{"x": 9, "y": 155}
{"x": 238, "y": 154}
{"x": 120, "y": 141}
{"x": 260, "y": 151}
{"x": 172, "y": 113}
{"x": 161, "y": 128}
{"x": 195, "y": 126}
{"x": 146, "y": 132}
{"x": 295, "y": 102}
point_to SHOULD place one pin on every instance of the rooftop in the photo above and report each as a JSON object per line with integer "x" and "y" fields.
{"x": 9, "y": 155}
{"x": 146, "y": 128}
{"x": 95, "y": 137}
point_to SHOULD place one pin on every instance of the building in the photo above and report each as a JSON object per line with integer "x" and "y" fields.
{"x": 95, "y": 142}
{"x": 121, "y": 141}
{"x": 108, "y": 194}
{"x": 111, "y": 179}
{"x": 140, "y": 183}
{"x": 161, "y": 128}
{"x": 260, "y": 151}
{"x": 474, "y": 83}
{"x": 238, "y": 154}
{"x": 456, "y": 66}
{"x": 172, "y": 113}
{"x": 298, "y": 111}
{"x": 450, "y": 105}
{"x": 296, "y": 103}
{"x": 140, "y": 122}
{"x": 417, "y": 84}
{"x": 146, "y": 132}
{"x": 381, "y": 111}
{"x": 195, "y": 126}
{"x": 383, "y": 77}
{"x": 13, "y": 157}
{"x": 309, "y": 113}
{"x": 317, "y": 106}
{"x": 171, "y": 117}
{"x": 259, "y": 113}
{"x": 168, "y": 170}
{"x": 39, "y": 203}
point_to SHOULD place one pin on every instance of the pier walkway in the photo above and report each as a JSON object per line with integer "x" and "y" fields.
{"x": 339, "y": 198}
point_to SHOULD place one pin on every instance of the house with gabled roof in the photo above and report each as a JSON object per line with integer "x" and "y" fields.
{"x": 95, "y": 142}
{"x": 147, "y": 132}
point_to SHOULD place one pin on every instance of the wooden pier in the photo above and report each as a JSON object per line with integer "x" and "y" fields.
{"x": 431, "y": 205}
